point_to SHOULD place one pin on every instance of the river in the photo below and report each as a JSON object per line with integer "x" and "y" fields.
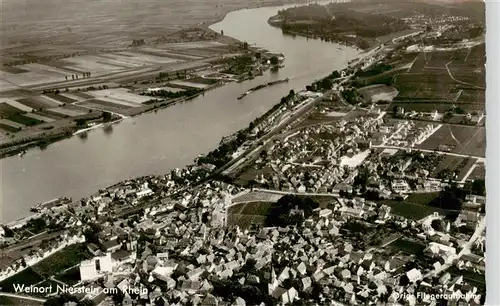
{"x": 155, "y": 143}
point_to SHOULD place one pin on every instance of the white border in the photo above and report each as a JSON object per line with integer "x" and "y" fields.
{"x": 492, "y": 152}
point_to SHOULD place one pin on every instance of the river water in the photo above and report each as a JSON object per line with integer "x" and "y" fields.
{"x": 155, "y": 143}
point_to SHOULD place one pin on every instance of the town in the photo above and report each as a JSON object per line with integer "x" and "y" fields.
{"x": 366, "y": 187}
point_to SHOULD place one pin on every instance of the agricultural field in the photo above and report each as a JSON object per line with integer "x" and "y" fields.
{"x": 70, "y": 277}
{"x": 246, "y": 214}
{"x": 467, "y": 140}
{"x": 39, "y": 102}
{"x": 380, "y": 92}
{"x": 415, "y": 207}
{"x": 27, "y": 277}
{"x": 119, "y": 96}
{"x": 251, "y": 208}
{"x": 60, "y": 261}
{"x": 7, "y": 110}
{"x": 444, "y": 78}
{"x": 410, "y": 210}
{"x": 60, "y": 98}
{"x": 257, "y": 196}
{"x": 407, "y": 246}
{"x": 66, "y": 111}
{"x": 19, "y": 106}
{"x": 10, "y": 126}
{"x": 188, "y": 84}
{"x": 25, "y": 120}
{"x": 456, "y": 164}
{"x": 479, "y": 172}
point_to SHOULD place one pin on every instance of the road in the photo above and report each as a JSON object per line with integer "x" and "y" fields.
{"x": 479, "y": 158}
{"x": 458, "y": 81}
{"x": 312, "y": 194}
{"x": 465, "y": 250}
{"x": 24, "y": 297}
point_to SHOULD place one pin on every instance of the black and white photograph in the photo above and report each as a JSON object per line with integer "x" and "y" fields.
{"x": 246, "y": 152}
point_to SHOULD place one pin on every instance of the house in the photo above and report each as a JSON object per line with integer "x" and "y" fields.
{"x": 111, "y": 245}
{"x": 393, "y": 264}
{"x": 440, "y": 249}
{"x": 96, "y": 267}
{"x": 94, "y": 249}
{"x": 325, "y": 213}
{"x": 400, "y": 186}
{"x": 414, "y": 275}
{"x": 469, "y": 218}
{"x": 121, "y": 256}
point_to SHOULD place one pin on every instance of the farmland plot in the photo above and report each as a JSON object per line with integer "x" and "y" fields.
{"x": 479, "y": 172}
{"x": 140, "y": 58}
{"x": 120, "y": 96}
{"x": 168, "y": 53}
{"x": 39, "y": 117}
{"x": 66, "y": 111}
{"x": 465, "y": 140}
{"x": 11, "y": 124}
{"x": 60, "y": 98}
{"x": 195, "y": 45}
{"x": 6, "y": 86}
{"x": 25, "y": 120}
{"x": 16, "y": 104}
{"x": 430, "y": 81}
{"x": 37, "y": 74}
{"x": 103, "y": 105}
{"x": 376, "y": 93}
{"x": 91, "y": 63}
{"x": 39, "y": 102}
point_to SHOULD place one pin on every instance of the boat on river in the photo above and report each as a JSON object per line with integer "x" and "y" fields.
{"x": 258, "y": 87}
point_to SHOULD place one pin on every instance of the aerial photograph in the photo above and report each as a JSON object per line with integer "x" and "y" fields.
{"x": 242, "y": 152}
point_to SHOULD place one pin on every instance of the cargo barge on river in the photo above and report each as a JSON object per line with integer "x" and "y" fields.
{"x": 261, "y": 86}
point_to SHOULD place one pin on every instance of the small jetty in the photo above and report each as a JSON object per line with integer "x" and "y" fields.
{"x": 258, "y": 87}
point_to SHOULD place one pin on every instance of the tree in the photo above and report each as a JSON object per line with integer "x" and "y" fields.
{"x": 106, "y": 116}
{"x": 8, "y": 232}
{"x": 478, "y": 187}
{"x": 404, "y": 280}
{"x": 245, "y": 45}
{"x": 274, "y": 60}
{"x": 81, "y": 122}
{"x": 459, "y": 110}
{"x": 362, "y": 178}
{"x": 437, "y": 225}
{"x": 326, "y": 84}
